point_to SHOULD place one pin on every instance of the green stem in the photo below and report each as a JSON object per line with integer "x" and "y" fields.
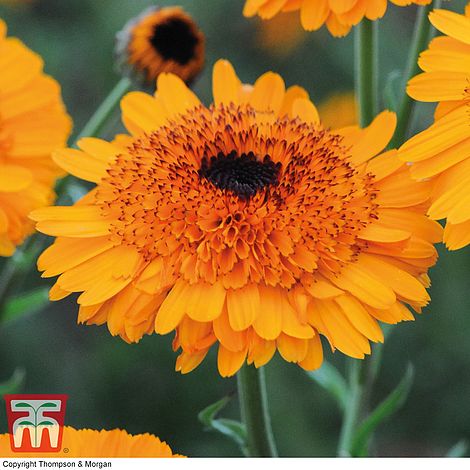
{"x": 422, "y": 35}
{"x": 97, "y": 122}
{"x": 15, "y": 267}
{"x": 362, "y": 376}
{"x": 353, "y": 408}
{"x": 254, "y": 410}
{"x": 100, "y": 117}
{"x": 366, "y": 70}
{"x": 6, "y": 284}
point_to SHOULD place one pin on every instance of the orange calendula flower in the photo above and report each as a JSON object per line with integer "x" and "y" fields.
{"x": 81, "y": 443}
{"x": 246, "y": 224}
{"x": 33, "y": 122}
{"x": 339, "y": 110}
{"x": 161, "y": 40}
{"x": 339, "y": 16}
{"x": 280, "y": 35}
{"x": 442, "y": 152}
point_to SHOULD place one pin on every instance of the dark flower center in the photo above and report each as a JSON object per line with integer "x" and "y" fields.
{"x": 175, "y": 40}
{"x": 243, "y": 175}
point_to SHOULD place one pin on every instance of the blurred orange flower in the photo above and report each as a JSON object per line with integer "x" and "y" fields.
{"x": 442, "y": 152}
{"x": 339, "y": 16}
{"x": 33, "y": 122}
{"x": 339, "y": 110}
{"x": 280, "y": 35}
{"x": 161, "y": 40}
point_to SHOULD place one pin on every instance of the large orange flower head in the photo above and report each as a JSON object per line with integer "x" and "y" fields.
{"x": 244, "y": 224}
{"x": 33, "y": 122}
{"x": 339, "y": 16}
{"x": 161, "y": 40}
{"x": 442, "y": 152}
{"x": 81, "y": 443}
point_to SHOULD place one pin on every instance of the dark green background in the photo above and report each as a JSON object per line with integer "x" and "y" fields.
{"x": 112, "y": 384}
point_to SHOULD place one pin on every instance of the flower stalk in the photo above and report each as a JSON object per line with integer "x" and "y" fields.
{"x": 352, "y": 412}
{"x": 423, "y": 33}
{"x": 8, "y": 270}
{"x": 105, "y": 111}
{"x": 362, "y": 376}
{"x": 254, "y": 410}
{"x": 366, "y": 70}
{"x": 95, "y": 125}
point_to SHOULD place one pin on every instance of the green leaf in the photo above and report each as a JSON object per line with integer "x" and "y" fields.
{"x": 46, "y": 423}
{"x": 231, "y": 428}
{"x": 26, "y": 423}
{"x": 48, "y": 405}
{"x": 331, "y": 380}
{"x": 207, "y": 415}
{"x": 27, "y": 303}
{"x": 458, "y": 450}
{"x": 14, "y": 384}
{"x": 228, "y": 427}
{"x": 388, "y": 407}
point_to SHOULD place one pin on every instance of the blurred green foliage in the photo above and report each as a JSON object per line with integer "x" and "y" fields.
{"x": 112, "y": 384}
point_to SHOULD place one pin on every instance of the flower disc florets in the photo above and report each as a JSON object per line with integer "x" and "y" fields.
{"x": 267, "y": 208}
